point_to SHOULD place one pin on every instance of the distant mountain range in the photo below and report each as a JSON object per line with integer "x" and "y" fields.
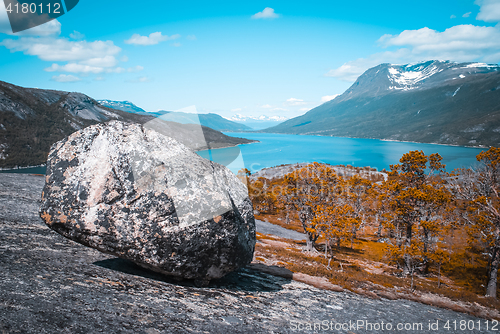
{"x": 123, "y": 106}
{"x": 211, "y": 120}
{"x": 430, "y": 102}
{"x": 31, "y": 120}
{"x": 258, "y": 122}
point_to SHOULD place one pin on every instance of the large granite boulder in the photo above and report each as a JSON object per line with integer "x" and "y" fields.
{"x": 137, "y": 194}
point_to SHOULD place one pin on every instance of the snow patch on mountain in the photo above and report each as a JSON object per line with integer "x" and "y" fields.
{"x": 472, "y": 65}
{"x": 409, "y": 76}
{"x": 121, "y": 105}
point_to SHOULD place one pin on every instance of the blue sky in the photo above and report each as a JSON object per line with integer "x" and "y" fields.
{"x": 276, "y": 58}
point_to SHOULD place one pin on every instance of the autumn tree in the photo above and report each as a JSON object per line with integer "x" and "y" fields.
{"x": 338, "y": 222}
{"x": 262, "y": 195}
{"x": 439, "y": 257}
{"x": 304, "y": 190}
{"x": 356, "y": 194}
{"x": 378, "y": 203}
{"x": 479, "y": 189}
{"x": 417, "y": 199}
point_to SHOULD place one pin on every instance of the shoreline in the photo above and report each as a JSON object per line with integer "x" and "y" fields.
{"x": 380, "y": 139}
{"x": 22, "y": 167}
{"x": 216, "y": 148}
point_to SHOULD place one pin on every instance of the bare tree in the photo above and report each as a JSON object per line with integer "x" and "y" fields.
{"x": 479, "y": 191}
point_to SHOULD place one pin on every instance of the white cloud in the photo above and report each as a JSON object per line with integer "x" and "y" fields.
{"x": 176, "y": 44}
{"x": 295, "y": 102}
{"x": 467, "y": 14}
{"x": 489, "y": 10}
{"x": 124, "y": 59}
{"x": 304, "y": 109}
{"x": 61, "y": 49}
{"x": 99, "y": 79}
{"x": 453, "y": 17}
{"x": 191, "y": 37}
{"x": 50, "y": 28}
{"x": 327, "y": 98}
{"x": 467, "y": 39}
{"x": 65, "y": 78}
{"x": 152, "y": 39}
{"x": 76, "y": 35}
{"x": 74, "y": 68}
{"x": 80, "y": 56}
{"x": 458, "y": 43}
{"x": 236, "y": 109}
{"x": 266, "y": 106}
{"x": 106, "y": 61}
{"x": 81, "y": 68}
{"x": 267, "y": 13}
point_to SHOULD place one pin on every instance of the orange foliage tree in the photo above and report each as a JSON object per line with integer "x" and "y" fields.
{"x": 305, "y": 190}
{"x": 479, "y": 189}
{"x": 417, "y": 200}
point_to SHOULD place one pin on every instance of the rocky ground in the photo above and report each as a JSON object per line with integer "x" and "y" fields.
{"x": 49, "y": 284}
{"x": 268, "y": 228}
{"x": 280, "y": 171}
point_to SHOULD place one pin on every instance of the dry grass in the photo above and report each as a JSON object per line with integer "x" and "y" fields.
{"x": 364, "y": 270}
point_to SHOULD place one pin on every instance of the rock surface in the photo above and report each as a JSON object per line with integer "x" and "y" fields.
{"x": 49, "y": 284}
{"x": 129, "y": 191}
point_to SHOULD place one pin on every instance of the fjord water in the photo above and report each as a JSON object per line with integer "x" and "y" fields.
{"x": 276, "y": 149}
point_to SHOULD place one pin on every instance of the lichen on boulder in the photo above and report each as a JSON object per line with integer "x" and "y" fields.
{"x": 130, "y": 191}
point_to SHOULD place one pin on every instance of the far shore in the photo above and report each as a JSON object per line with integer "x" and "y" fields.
{"x": 381, "y": 139}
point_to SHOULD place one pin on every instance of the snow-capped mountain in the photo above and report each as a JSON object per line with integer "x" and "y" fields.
{"x": 432, "y": 101}
{"x": 258, "y": 122}
{"x": 122, "y": 105}
{"x": 385, "y": 78}
{"x": 244, "y": 118}
{"x": 423, "y": 75}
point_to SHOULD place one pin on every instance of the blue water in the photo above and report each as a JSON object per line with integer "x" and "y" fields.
{"x": 29, "y": 170}
{"x": 277, "y": 149}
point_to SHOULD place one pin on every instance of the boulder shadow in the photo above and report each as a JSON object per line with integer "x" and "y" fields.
{"x": 255, "y": 277}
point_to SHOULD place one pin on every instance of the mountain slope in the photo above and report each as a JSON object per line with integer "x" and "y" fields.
{"x": 122, "y": 105}
{"x": 210, "y": 120}
{"x": 432, "y": 102}
{"x": 31, "y": 120}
